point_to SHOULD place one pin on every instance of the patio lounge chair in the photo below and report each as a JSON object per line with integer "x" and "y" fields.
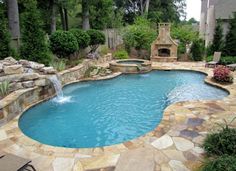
{"x": 11, "y": 162}
{"x": 232, "y": 67}
{"x": 216, "y": 60}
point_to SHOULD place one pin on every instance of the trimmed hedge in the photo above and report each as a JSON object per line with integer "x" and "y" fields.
{"x": 82, "y": 37}
{"x": 96, "y": 38}
{"x": 63, "y": 43}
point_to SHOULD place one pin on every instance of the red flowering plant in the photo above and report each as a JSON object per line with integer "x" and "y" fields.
{"x": 223, "y": 74}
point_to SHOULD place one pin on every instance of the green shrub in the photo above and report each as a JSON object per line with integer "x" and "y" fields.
{"x": 72, "y": 63}
{"x": 5, "y": 49}
{"x": 121, "y": 54}
{"x": 34, "y": 46}
{"x": 230, "y": 39}
{"x": 226, "y": 60}
{"x": 197, "y": 50}
{"x": 218, "y": 41}
{"x": 209, "y": 58}
{"x": 139, "y": 35}
{"x": 58, "y": 65}
{"x": 185, "y": 34}
{"x": 82, "y": 37}
{"x": 222, "y": 163}
{"x": 4, "y": 88}
{"x": 63, "y": 43}
{"x": 96, "y": 38}
{"x": 181, "y": 48}
{"x": 223, "y": 142}
{"x": 104, "y": 50}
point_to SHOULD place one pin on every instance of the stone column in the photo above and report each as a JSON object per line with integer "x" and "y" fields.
{"x": 211, "y": 22}
{"x": 202, "y": 28}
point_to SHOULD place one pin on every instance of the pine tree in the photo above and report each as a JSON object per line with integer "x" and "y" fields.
{"x": 218, "y": 42}
{"x": 230, "y": 42}
{"x": 5, "y": 49}
{"x": 34, "y": 46}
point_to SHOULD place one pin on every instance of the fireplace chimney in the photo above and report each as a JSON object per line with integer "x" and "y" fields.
{"x": 164, "y": 48}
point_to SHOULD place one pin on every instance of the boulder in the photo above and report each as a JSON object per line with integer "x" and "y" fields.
{"x": 35, "y": 65}
{"x": 10, "y": 78}
{"x": 28, "y": 70}
{"x": 15, "y": 86}
{"x": 1, "y": 67}
{"x": 28, "y": 84}
{"x": 19, "y": 77}
{"x": 48, "y": 70}
{"x": 10, "y": 60}
{"x": 24, "y": 62}
{"x": 41, "y": 82}
{"x": 29, "y": 76}
{"x": 13, "y": 69}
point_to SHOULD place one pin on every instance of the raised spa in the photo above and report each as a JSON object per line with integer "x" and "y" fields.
{"x": 131, "y": 66}
{"x": 102, "y": 113}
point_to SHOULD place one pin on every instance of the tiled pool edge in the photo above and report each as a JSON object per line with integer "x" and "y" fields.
{"x": 17, "y": 138}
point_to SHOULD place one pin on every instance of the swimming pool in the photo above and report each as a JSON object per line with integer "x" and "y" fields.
{"x": 102, "y": 113}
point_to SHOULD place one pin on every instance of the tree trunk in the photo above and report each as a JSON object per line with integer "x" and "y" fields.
{"x": 53, "y": 24}
{"x": 85, "y": 13}
{"x": 13, "y": 20}
{"x": 141, "y": 7}
{"x": 147, "y": 6}
{"x": 66, "y": 19}
{"x": 63, "y": 22}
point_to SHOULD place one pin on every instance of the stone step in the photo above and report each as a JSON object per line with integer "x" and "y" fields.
{"x": 137, "y": 160}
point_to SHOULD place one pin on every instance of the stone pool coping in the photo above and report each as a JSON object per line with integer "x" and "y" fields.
{"x": 174, "y": 125}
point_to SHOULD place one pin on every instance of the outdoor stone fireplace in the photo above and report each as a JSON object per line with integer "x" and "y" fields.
{"x": 164, "y": 48}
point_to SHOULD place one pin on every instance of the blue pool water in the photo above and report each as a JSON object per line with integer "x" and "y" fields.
{"x": 102, "y": 113}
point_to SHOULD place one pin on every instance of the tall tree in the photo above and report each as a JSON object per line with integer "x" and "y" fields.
{"x": 230, "y": 42}
{"x": 218, "y": 42}
{"x": 34, "y": 46}
{"x": 147, "y": 6}
{"x": 101, "y": 14}
{"x": 65, "y": 6}
{"x": 5, "y": 49}
{"x": 156, "y": 10}
{"x": 85, "y": 14}
{"x": 13, "y": 19}
{"x": 53, "y": 23}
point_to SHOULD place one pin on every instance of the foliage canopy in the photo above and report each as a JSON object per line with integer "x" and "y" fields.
{"x": 63, "y": 43}
{"x": 5, "y": 49}
{"x": 34, "y": 45}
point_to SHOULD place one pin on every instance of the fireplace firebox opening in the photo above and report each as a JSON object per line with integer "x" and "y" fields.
{"x": 164, "y": 52}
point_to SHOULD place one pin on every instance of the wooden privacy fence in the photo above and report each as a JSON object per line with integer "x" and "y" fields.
{"x": 113, "y": 38}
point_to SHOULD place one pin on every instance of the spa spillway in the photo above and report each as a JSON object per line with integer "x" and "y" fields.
{"x": 131, "y": 66}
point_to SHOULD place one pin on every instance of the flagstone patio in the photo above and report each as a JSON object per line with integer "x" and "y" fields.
{"x": 175, "y": 145}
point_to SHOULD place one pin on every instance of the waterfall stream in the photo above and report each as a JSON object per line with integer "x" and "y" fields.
{"x": 58, "y": 88}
